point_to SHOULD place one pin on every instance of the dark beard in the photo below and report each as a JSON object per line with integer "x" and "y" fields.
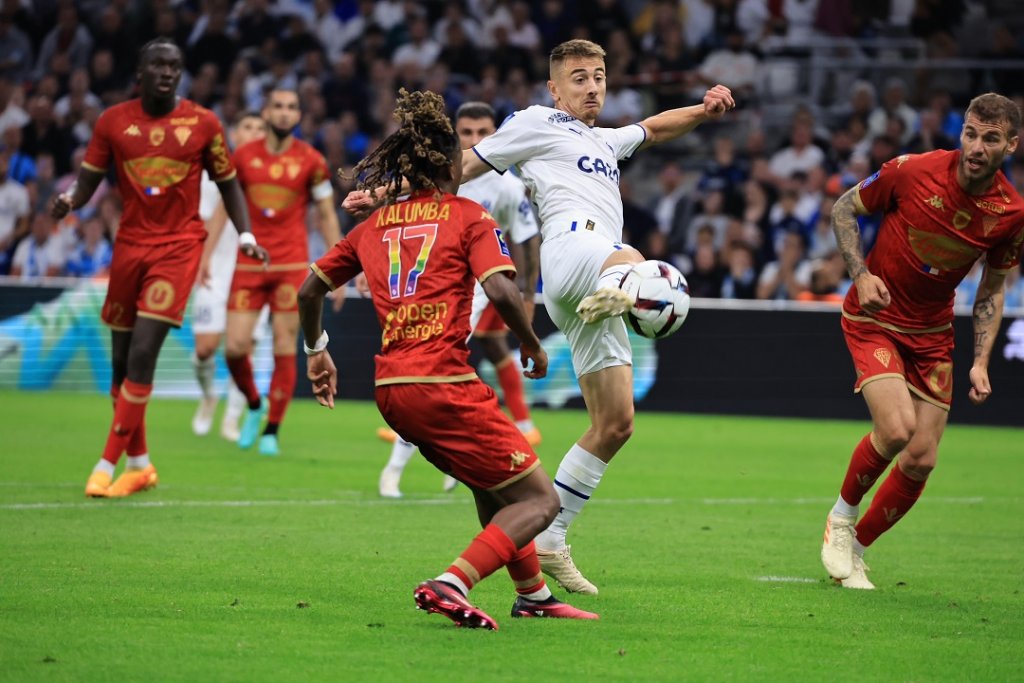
{"x": 280, "y": 133}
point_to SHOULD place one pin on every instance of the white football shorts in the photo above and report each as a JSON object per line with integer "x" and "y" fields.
{"x": 570, "y": 266}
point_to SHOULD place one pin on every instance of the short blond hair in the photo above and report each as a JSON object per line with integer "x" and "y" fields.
{"x": 573, "y": 48}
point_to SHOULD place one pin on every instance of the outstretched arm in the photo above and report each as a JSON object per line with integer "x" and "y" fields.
{"x": 360, "y": 203}
{"x": 78, "y": 194}
{"x": 674, "y": 123}
{"x": 871, "y": 291}
{"x": 988, "y": 314}
{"x": 505, "y": 296}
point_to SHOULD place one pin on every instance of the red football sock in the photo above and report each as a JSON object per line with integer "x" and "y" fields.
{"x": 866, "y": 465}
{"x": 895, "y": 497}
{"x": 137, "y": 442}
{"x": 241, "y": 371}
{"x": 512, "y": 389}
{"x": 129, "y": 413}
{"x": 282, "y": 387}
{"x": 524, "y": 568}
{"x": 490, "y": 551}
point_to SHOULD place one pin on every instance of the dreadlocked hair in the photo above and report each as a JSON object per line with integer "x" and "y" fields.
{"x": 420, "y": 151}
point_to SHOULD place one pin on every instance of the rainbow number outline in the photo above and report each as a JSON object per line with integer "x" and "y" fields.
{"x": 394, "y": 237}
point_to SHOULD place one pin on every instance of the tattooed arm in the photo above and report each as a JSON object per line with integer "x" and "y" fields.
{"x": 871, "y": 291}
{"x": 988, "y": 314}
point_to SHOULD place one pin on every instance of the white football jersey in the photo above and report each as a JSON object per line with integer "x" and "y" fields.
{"x": 571, "y": 169}
{"x": 222, "y": 260}
{"x": 504, "y": 197}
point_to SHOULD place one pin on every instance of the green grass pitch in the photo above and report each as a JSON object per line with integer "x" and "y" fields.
{"x": 703, "y": 539}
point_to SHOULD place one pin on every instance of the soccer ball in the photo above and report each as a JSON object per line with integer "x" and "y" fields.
{"x": 661, "y": 298}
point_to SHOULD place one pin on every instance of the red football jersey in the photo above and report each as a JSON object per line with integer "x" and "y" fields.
{"x": 931, "y": 234}
{"x": 420, "y": 257}
{"x": 159, "y": 162}
{"x": 278, "y": 189}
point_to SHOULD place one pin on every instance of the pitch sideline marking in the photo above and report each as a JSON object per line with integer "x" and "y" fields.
{"x": 786, "y": 579}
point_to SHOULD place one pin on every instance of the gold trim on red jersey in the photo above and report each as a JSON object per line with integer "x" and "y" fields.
{"x": 153, "y": 316}
{"x": 926, "y": 398}
{"x": 97, "y": 169}
{"x": 496, "y": 269}
{"x": 320, "y": 274}
{"x": 436, "y": 379}
{"x": 896, "y": 328}
{"x": 517, "y": 477}
{"x": 256, "y": 267}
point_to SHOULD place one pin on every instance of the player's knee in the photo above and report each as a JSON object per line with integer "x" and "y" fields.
{"x": 205, "y": 350}
{"x": 616, "y": 431}
{"x": 896, "y": 433}
{"x": 918, "y": 470}
{"x": 237, "y": 347}
{"x": 548, "y": 506}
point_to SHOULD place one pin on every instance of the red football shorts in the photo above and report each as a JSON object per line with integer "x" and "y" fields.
{"x": 491, "y": 323}
{"x": 460, "y": 429}
{"x": 251, "y": 289}
{"x": 924, "y": 360}
{"x": 152, "y": 281}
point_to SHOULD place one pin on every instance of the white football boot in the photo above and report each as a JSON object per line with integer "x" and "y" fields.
{"x": 558, "y": 565}
{"x": 858, "y": 578}
{"x": 604, "y": 303}
{"x": 837, "y": 546}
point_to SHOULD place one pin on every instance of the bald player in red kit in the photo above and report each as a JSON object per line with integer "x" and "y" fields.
{"x": 159, "y": 146}
{"x": 943, "y": 210}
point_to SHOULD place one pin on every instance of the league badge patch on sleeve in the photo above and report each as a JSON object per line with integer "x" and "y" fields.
{"x": 501, "y": 243}
{"x": 870, "y": 179}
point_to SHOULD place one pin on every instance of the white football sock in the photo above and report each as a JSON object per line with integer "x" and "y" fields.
{"x": 205, "y": 370}
{"x": 236, "y": 403}
{"x": 401, "y": 452}
{"x": 539, "y": 595}
{"x": 104, "y": 466}
{"x": 843, "y": 508}
{"x": 450, "y": 578}
{"x": 578, "y": 475}
{"x": 611, "y": 277}
{"x": 525, "y": 425}
{"x": 138, "y": 462}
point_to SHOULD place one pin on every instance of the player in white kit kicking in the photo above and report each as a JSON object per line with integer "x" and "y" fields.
{"x": 504, "y": 196}
{"x": 571, "y": 169}
{"x": 210, "y": 299}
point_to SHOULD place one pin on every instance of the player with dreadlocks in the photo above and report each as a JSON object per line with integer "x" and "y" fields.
{"x": 420, "y": 256}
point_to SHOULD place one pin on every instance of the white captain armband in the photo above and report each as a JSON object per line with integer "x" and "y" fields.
{"x": 322, "y": 190}
{"x": 319, "y": 346}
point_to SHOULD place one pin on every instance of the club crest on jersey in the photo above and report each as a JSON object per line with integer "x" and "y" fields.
{"x": 156, "y": 136}
{"x": 961, "y": 219}
{"x": 182, "y": 133}
{"x": 600, "y": 167}
{"x": 501, "y": 243}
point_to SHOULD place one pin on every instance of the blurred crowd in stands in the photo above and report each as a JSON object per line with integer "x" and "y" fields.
{"x": 828, "y": 90}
